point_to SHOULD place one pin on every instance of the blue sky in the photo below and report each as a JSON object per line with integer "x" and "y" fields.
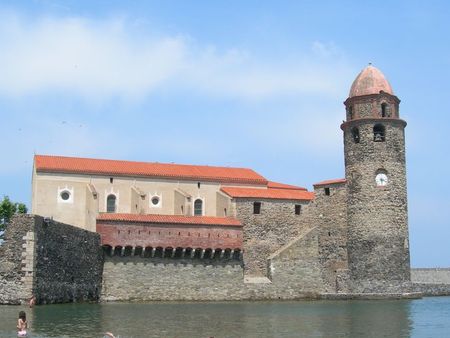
{"x": 256, "y": 84}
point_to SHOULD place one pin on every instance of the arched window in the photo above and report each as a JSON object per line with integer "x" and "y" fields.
{"x": 379, "y": 133}
{"x": 384, "y": 110}
{"x": 355, "y": 134}
{"x": 111, "y": 203}
{"x": 198, "y": 207}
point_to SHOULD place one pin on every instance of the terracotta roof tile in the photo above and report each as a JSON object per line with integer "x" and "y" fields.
{"x": 62, "y": 164}
{"x": 370, "y": 81}
{"x": 169, "y": 219}
{"x": 283, "y": 194}
{"x": 277, "y": 185}
{"x": 336, "y": 181}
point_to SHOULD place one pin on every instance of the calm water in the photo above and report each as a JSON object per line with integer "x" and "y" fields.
{"x": 428, "y": 317}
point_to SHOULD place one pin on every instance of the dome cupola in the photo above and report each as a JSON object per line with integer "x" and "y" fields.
{"x": 370, "y": 81}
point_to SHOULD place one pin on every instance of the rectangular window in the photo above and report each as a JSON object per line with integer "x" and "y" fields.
{"x": 257, "y": 208}
{"x": 298, "y": 209}
{"x": 327, "y": 191}
{"x": 111, "y": 180}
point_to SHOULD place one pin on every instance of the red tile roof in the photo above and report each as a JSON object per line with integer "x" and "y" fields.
{"x": 277, "y": 185}
{"x": 336, "y": 181}
{"x": 283, "y": 194}
{"x": 77, "y": 165}
{"x": 169, "y": 219}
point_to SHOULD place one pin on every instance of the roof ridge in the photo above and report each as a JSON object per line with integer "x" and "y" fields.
{"x": 84, "y": 165}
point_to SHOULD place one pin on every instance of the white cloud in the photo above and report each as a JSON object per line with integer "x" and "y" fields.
{"x": 102, "y": 59}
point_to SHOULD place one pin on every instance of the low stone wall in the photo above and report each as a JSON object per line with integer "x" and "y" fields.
{"x": 430, "y": 275}
{"x": 53, "y": 261}
{"x": 431, "y": 281}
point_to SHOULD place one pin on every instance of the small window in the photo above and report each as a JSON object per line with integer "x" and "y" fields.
{"x": 65, "y": 195}
{"x": 350, "y": 113}
{"x": 198, "y": 207}
{"x": 257, "y": 208}
{"x": 298, "y": 209}
{"x": 155, "y": 200}
{"x": 111, "y": 203}
{"x": 355, "y": 135}
{"x": 111, "y": 180}
{"x": 378, "y": 133}
{"x": 182, "y": 209}
{"x": 327, "y": 191}
{"x": 384, "y": 110}
{"x": 225, "y": 212}
{"x": 198, "y": 185}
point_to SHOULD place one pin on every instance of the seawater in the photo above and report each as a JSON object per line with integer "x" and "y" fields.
{"x": 427, "y": 317}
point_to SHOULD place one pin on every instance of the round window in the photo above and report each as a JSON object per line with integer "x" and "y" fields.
{"x": 65, "y": 195}
{"x": 155, "y": 200}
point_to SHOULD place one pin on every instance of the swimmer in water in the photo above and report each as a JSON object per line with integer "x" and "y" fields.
{"x": 22, "y": 325}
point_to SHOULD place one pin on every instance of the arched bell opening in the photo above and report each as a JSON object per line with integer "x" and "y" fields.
{"x": 379, "y": 133}
{"x": 355, "y": 134}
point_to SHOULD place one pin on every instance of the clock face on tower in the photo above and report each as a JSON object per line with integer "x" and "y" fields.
{"x": 381, "y": 179}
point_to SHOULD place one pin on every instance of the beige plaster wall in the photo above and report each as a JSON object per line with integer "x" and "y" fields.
{"x": 133, "y": 195}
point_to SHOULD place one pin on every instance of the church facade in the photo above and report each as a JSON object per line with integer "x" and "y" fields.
{"x": 248, "y": 236}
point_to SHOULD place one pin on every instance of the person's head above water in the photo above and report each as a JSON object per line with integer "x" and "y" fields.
{"x": 22, "y": 315}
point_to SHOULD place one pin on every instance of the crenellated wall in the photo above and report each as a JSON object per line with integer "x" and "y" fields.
{"x": 295, "y": 274}
{"x": 142, "y": 235}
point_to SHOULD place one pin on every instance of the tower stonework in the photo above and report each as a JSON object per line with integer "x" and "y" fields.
{"x": 374, "y": 148}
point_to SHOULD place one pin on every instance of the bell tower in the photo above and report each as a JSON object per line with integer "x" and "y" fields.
{"x": 374, "y": 149}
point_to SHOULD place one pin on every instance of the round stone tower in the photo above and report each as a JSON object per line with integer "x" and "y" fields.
{"x": 374, "y": 147}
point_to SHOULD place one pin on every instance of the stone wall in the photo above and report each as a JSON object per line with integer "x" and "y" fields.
{"x": 53, "y": 261}
{"x": 149, "y": 279}
{"x": 68, "y": 263}
{"x": 13, "y": 289}
{"x": 265, "y": 233}
{"x": 431, "y": 275}
{"x": 431, "y": 281}
{"x": 330, "y": 216}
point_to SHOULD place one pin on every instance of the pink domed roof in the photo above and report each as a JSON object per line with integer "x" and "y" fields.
{"x": 370, "y": 81}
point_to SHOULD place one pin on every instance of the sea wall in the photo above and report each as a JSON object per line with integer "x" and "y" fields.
{"x": 53, "y": 261}
{"x": 431, "y": 281}
{"x": 295, "y": 273}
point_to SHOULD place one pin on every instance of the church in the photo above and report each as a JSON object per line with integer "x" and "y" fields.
{"x": 222, "y": 233}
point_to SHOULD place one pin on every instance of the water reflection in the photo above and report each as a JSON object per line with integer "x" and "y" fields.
{"x": 231, "y": 319}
